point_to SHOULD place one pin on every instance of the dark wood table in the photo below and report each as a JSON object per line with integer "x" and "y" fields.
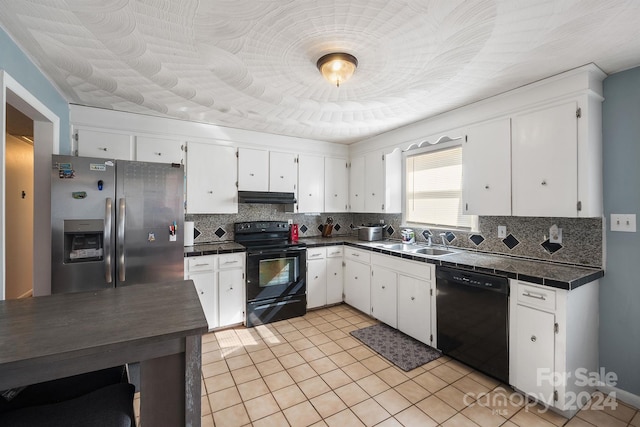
{"x": 158, "y": 325}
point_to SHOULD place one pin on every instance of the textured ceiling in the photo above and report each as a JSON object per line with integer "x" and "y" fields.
{"x": 250, "y": 64}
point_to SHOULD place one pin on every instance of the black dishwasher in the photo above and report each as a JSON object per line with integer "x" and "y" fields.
{"x": 472, "y": 312}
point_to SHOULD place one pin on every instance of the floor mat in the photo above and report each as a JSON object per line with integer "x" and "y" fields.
{"x": 398, "y": 348}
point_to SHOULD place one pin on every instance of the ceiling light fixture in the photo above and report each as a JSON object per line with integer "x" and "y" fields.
{"x": 337, "y": 67}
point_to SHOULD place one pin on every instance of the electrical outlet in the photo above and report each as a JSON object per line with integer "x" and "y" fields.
{"x": 620, "y": 222}
{"x": 290, "y": 222}
{"x": 555, "y": 234}
{"x": 502, "y": 231}
{"x": 382, "y": 221}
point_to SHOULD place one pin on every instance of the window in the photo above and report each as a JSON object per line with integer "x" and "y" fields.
{"x": 433, "y": 188}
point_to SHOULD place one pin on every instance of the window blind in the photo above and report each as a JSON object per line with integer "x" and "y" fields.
{"x": 434, "y": 188}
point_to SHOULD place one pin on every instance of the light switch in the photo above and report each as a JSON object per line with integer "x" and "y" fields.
{"x": 622, "y": 222}
{"x": 502, "y": 231}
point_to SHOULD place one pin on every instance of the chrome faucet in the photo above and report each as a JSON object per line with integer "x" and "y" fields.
{"x": 445, "y": 242}
{"x": 428, "y": 236}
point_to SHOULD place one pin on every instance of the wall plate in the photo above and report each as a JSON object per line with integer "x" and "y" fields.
{"x": 623, "y": 222}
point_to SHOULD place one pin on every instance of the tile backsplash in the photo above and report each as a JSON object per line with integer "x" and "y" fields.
{"x": 526, "y": 236}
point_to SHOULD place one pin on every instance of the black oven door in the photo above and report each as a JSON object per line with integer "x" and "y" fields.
{"x": 276, "y": 273}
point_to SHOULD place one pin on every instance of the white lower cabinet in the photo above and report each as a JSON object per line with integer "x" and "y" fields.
{"x": 316, "y": 277}
{"x": 357, "y": 279}
{"x": 415, "y": 308}
{"x": 219, "y": 281}
{"x": 384, "y": 295}
{"x": 324, "y": 276}
{"x": 231, "y": 296}
{"x": 335, "y": 274}
{"x": 553, "y": 343}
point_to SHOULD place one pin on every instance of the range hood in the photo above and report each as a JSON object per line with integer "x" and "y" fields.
{"x": 269, "y": 197}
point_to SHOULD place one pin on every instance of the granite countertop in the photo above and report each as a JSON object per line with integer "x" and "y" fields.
{"x": 213, "y": 248}
{"x": 556, "y": 275}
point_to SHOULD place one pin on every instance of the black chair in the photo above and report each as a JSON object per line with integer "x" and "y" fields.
{"x": 96, "y": 399}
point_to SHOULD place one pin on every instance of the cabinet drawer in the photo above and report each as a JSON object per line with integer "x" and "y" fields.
{"x": 231, "y": 260}
{"x": 335, "y": 251}
{"x": 421, "y": 270}
{"x": 316, "y": 253}
{"x": 358, "y": 255}
{"x": 200, "y": 263}
{"x": 536, "y": 296}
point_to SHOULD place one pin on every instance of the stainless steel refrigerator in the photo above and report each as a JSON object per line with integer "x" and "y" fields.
{"x": 115, "y": 223}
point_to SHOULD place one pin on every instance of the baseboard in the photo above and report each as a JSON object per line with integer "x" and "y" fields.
{"x": 27, "y": 294}
{"x": 624, "y": 396}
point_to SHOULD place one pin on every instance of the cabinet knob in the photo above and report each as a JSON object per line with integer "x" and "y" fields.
{"x": 251, "y": 174}
{"x": 335, "y": 195}
{"x": 210, "y": 192}
{"x": 158, "y": 154}
{"x": 282, "y": 177}
{"x": 383, "y": 287}
{"x": 309, "y": 194}
{"x": 373, "y": 194}
{"x": 543, "y": 183}
{"x": 356, "y": 195}
{"x": 486, "y": 187}
{"x": 412, "y": 298}
{"x": 316, "y": 277}
{"x": 533, "y": 338}
{"x": 102, "y": 148}
{"x": 356, "y": 277}
{"x": 201, "y": 292}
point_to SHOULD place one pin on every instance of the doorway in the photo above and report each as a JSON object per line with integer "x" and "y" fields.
{"x": 46, "y": 141}
{"x": 19, "y": 204}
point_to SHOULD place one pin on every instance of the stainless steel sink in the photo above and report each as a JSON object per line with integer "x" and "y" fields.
{"x": 432, "y": 251}
{"x": 400, "y": 247}
{"x": 415, "y": 249}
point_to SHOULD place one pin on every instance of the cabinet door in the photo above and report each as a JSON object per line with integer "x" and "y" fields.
{"x": 545, "y": 162}
{"x": 334, "y": 280}
{"x": 336, "y": 185}
{"x": 205, "y": 283}
{"x": 105, "y": 145}
{"x": 283, "y": 172}
{"x": 316, "y": 283}
{"x": 253, "y": 170}
{"x": 414, "y": 308}
{"x": 384, "y": 296}
{"x": 158, "y": 150}
{"x": 535, "y": 349}
{"x": 357, "y": 286}
{"x": 374, "y": 182}
{"x": 230, "y": 288}
{"x": 311, "y": 184}
{"x": 356, "y": 185}
{"x": 393, "y": 182}
{"x": 211, "y": 179}
{"x": 486, "y": 169}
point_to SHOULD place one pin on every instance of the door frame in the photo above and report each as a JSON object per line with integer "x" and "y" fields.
{"x": 46, "y": 141}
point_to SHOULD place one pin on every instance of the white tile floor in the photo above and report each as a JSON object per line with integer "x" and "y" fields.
{"x": 310, "y": 371}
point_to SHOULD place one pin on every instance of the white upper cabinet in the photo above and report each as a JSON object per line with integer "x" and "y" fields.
{"x": 356, "y": 185}
{"x": 545, "y": 162}
{"x": 106, "y": 145}
{"x": 486, "y": 169}
{"x": 283, "y": 172}
{"x": 158, "y": 150}
{"x": 374, "y": 182}
{"x": 336, "y": 185}
{"x": 253, "y": 170}
{"x": 310, "y": 183}
{"x": 211, "y": 179}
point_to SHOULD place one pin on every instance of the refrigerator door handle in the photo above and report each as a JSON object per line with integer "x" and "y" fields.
{"x": 122, "y": 210}
{"x": 107, "y": 240}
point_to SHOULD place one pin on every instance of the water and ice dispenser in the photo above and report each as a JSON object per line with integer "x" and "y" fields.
{"x": 83, "y": 240}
